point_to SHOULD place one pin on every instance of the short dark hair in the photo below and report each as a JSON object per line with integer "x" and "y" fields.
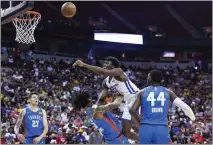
{"x": 33, "y": 93}
{"x": 156, "y": 76}
{"x": 81, "y": 100}
{"x": 115, "y": 62}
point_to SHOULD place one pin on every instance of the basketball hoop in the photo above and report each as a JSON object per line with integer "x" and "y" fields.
{"x": 25, "y": 26}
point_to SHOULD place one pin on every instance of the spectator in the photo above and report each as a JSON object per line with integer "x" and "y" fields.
{"x": 74, "y": 140}
{"x": 80, "y": 138}
{"x": 56, "y": 99}
{"x": 198, "y": 138}
{"x": 10, "y": 136}
{"x": 60, "y": 138}
{"x": 53, "y": 127}
{"x": 78, "y": 122}
{"x": 95, "y": 137}
{"x": 175, "y": 128}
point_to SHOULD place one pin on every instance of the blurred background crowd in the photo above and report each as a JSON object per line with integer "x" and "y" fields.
{"x": 171, "y": 34}
{"x": 57, "y": 82}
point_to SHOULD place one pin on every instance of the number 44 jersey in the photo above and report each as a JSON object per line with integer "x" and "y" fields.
{"x": 155, "y": 104}
{"x": 33, "y": 123}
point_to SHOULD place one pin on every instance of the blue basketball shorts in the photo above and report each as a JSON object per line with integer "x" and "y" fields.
{"x": 153, "y": 134}
{"x": 121, "y": 140}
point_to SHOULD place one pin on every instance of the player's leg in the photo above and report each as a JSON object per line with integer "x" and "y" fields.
{"x": 146, "y": 134}
{"x": 128, "y": 121}
{"x": 127, "y": 125}
{"x": 161, "y": 135}
{"x": 134, "y": 120}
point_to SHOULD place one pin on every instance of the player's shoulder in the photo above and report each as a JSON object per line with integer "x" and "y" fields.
{"x": 141, "y": 92}
{"x": 43, "y": 111}
{"x": 169, "y": 91}
{"x": 119, "y": 71}
{"x": 145, "y": 89}
{"x": 23, "y": 110}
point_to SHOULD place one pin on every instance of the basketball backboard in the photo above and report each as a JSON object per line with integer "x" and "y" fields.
{"x": 11, "y": 9}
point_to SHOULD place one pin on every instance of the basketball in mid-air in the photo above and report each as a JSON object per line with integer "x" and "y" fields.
{"x": 68, "y": 9}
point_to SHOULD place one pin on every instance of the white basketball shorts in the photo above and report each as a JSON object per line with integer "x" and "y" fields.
{"x": 127, "y": 106}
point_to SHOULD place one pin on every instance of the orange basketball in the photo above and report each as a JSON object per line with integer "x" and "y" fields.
{"x": 68, "y": 9}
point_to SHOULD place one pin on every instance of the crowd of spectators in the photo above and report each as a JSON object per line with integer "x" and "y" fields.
{"x": 57, "y": 82}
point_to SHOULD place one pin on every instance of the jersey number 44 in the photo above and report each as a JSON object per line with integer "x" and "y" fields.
{"x": 152, "y": 99}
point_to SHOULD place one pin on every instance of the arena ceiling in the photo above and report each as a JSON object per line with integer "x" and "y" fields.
{"x": 138, "y": 13}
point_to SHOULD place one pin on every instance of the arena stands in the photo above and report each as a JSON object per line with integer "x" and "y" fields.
{"x": 57, "y": 83}
{"x": 46, "y": 66}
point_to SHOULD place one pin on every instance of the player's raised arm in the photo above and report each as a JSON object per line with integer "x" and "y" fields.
{"x": 99, "y": 70}
{"x": 20, "y": 137}
{"x": 135, "y": 107}
{"x": 45, "y": 130}
{"x": 179, "y": 103}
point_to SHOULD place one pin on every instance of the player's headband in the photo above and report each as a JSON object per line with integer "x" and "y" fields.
{"x": 92, "y": 110}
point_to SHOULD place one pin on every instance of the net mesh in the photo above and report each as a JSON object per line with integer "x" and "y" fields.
{"x": 25, "y": 26}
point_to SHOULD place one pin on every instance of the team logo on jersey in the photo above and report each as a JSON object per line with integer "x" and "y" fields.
{"x": 40, "y": 112}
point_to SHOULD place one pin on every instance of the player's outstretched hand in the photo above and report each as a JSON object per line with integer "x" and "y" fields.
{"x": 36, "y": 140}
{"x": 79, "y": 63}
{"x": 21, "y": 138}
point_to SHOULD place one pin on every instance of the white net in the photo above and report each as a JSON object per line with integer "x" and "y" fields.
{"x": 25, "y": 27}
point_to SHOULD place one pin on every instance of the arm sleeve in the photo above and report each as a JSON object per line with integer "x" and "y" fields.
{"x": 186, "y": 109}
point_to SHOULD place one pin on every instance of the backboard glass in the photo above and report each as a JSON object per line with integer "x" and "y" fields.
{"x": 11, "y": 9}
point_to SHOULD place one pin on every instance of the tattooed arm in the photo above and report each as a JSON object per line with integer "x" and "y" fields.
{"x": 111, "y": 106}
{"x": 20, "y": 137}
{"x": 19, "y": 121}
{"x": 45, "y": 123}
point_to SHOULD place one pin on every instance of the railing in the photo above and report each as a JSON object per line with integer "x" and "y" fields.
{"x": 144, "y": 65}
{"x": 40, "y": 52}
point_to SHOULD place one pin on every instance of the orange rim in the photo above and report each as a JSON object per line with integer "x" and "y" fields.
{"x": 29, "y": 12}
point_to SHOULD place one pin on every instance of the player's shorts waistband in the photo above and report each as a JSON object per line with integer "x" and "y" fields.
{"x": 153, "y": 124}
{"x": 34, "y": 136}
{"x": 130, "y": 98}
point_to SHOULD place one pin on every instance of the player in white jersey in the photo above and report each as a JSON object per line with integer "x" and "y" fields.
{"x": 119, "y": 83}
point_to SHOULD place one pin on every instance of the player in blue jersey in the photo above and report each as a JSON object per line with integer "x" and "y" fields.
{"x": 155, "y": 100}
{"x": 106, "y": 122}
{"x": 34, "y": 120}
